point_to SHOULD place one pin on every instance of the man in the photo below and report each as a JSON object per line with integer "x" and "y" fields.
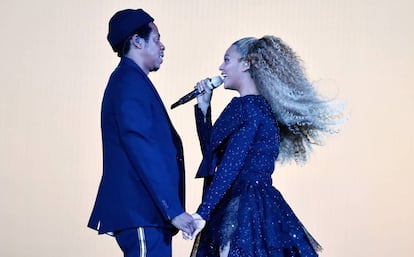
{"x": 140, "y": 199}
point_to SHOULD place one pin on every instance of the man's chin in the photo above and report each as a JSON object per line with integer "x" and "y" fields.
{"x": 155, "y": 68}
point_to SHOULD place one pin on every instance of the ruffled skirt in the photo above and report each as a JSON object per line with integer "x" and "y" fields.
{"x": 255, "y": 221}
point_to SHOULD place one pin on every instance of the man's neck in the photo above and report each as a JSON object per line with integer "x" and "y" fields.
{"x": 138, "y": 61}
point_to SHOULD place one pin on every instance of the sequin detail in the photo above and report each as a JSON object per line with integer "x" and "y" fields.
{"x": 239, "y": 203}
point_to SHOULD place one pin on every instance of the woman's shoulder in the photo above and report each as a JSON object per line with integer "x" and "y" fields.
{"x": 244, "y": 108}
{"x": 247, "y": 101}
{"x": 253, "y": 105}
{"x": 233, "y": 110}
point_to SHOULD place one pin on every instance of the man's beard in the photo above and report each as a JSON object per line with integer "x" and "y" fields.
{"x": 154, "y": 69}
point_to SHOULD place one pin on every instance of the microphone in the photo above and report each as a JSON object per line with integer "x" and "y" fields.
{"x": 212, "y": 82}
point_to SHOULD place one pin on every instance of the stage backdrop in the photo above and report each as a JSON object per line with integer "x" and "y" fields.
{"x": 355, "y": 195}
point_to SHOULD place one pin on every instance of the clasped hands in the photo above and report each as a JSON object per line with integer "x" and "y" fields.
{"x": 190, "y": 225}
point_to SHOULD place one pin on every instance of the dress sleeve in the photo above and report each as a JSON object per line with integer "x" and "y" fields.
{"x": 234, "y": 156}
{"x": 203, "y": 127}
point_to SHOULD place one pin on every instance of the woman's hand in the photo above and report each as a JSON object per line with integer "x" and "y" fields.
{"x": 206, "y": 90}
{"x": 198, "y": 225}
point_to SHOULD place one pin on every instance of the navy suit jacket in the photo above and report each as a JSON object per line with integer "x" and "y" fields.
{"x": 143, "y": 164}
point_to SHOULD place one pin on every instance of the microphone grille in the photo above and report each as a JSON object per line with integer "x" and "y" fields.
{"x": 216, "y": 81}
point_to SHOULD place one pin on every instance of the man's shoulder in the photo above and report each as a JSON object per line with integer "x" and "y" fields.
{"x": 128, "y": 67}
{"x": 127, "y": 74}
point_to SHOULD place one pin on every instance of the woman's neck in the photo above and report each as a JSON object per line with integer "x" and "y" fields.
{"x": 249, "y": 88}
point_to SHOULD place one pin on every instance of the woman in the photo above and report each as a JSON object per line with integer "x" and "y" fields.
{"x": 278, "y": 116}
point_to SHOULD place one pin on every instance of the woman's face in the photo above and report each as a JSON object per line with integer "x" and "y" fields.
{"x": 231, "y": 69}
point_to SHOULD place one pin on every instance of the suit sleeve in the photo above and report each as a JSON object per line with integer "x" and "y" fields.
{"x": 154, "y": 161}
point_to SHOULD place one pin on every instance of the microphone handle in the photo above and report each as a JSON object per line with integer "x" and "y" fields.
{"x": 213, "y": 82}
{"x": 186, "y": 98}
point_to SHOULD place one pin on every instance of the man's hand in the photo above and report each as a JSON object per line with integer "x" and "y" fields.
{"x": 184, "y": 222}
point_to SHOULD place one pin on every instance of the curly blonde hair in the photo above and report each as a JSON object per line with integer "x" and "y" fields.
{"x": 303, "y": 116}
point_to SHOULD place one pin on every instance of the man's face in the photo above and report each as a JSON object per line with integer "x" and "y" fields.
{"x": 153, "y": 50}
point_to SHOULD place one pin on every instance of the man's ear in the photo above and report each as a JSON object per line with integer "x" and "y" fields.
{"x": 137, "y": 41}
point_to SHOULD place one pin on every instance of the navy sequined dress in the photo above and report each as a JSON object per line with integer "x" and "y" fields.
{"x": 241, "y": 207}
